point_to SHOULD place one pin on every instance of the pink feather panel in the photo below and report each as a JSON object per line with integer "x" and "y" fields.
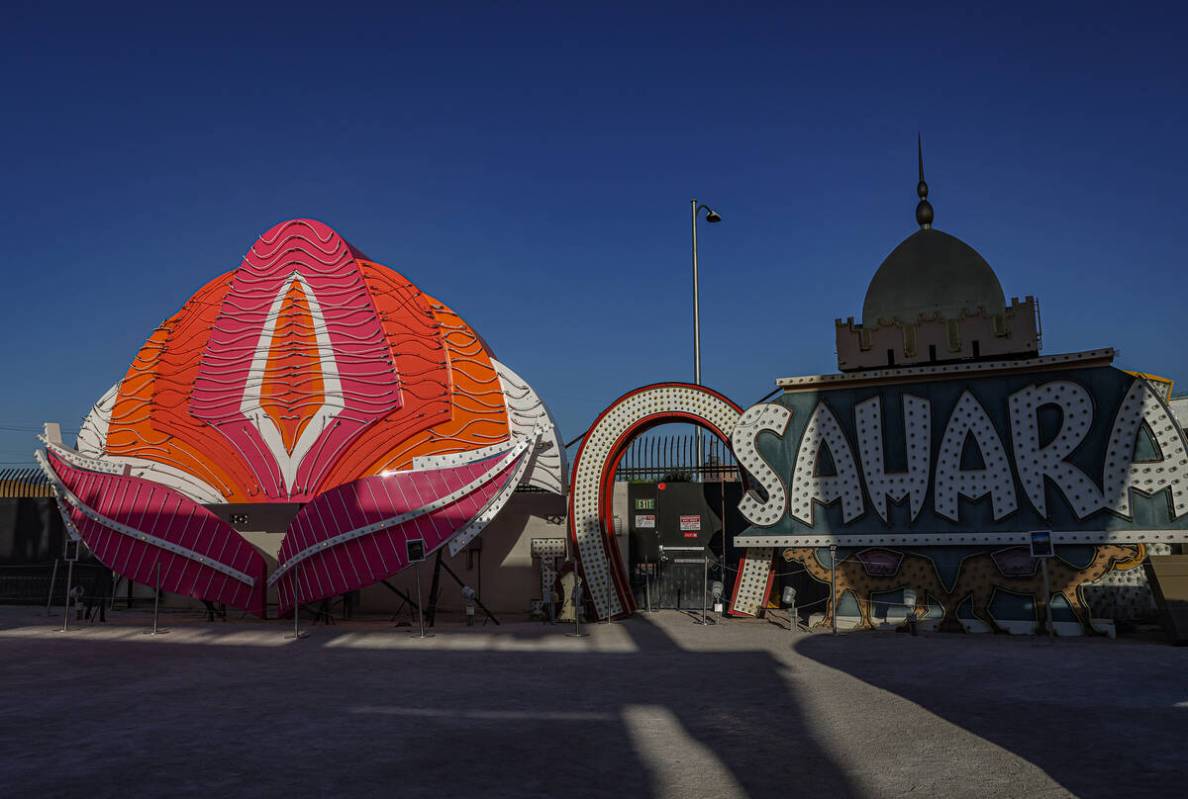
{"x": 209, "y": 547}
{"x": 353, "y": 536}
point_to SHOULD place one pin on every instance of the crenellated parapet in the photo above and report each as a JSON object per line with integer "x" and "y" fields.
{"x": 940, "y": 338}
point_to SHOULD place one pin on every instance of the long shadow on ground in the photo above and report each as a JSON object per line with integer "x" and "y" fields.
{"x": 139, "y": 717}
{"x": 1099, "y": 716}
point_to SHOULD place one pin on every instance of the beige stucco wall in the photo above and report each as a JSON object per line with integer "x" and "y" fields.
{"x": 509, "y": 578}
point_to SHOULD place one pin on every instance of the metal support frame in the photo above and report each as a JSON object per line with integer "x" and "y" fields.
{"x": 405, "y": 599}
{"x": 477, "y": 601}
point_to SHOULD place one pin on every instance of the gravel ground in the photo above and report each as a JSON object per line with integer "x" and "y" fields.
{"x": 653, "y": 707}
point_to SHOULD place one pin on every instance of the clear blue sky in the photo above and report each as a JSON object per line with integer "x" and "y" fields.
{"x": 533, "y": 168}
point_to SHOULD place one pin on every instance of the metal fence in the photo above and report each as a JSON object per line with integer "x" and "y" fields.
{"x": 658, "y": 457}
{"x": 24, "y": 483}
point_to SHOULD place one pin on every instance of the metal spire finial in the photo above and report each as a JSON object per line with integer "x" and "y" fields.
{"x": 923, "y": 208}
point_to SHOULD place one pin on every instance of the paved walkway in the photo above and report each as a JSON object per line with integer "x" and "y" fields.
{"x": 654, "y": 707}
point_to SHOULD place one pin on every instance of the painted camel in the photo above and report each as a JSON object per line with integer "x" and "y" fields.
{"x": 1014, "y": 570}
{"x": 873, "y": 571}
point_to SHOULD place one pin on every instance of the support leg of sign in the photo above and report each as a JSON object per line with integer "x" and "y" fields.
{"x": 478, "y": 595}
{"x": 405, "y": 599}
{"x": 1048, "y": 601}
{"x": 49, "y": 600}
{"x": 157, "y": 606}
{"x": 297, "y": 633}
{"x": 420, "y": 608}
{"x": 833, "y": 603}
{"x": 69, "y": 580}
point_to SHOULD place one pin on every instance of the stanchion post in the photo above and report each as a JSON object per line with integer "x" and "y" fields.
{"x": 421, "y": 605}
{"x": 157, "y": 604}
{"x": 833, "y": 603}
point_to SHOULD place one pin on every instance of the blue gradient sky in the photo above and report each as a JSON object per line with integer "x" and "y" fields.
{"x": 533, "y": 168}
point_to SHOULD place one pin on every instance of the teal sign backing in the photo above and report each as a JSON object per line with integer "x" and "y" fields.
{"x": 1112, "y": 395}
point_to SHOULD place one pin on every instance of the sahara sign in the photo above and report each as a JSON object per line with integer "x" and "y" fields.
{"x": 924, "y": 456}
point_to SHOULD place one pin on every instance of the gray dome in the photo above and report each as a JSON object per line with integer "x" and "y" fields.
{"x": 931, "y": 272}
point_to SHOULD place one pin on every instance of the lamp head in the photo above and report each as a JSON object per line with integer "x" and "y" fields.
{"x": 712, "y": 216}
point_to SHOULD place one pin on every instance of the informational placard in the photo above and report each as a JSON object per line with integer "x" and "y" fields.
{"x": 691, "y": 522}
{"x": 645, "y": 521}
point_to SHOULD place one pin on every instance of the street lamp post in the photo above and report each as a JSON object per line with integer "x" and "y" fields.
{"x": 712, "y": 217}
